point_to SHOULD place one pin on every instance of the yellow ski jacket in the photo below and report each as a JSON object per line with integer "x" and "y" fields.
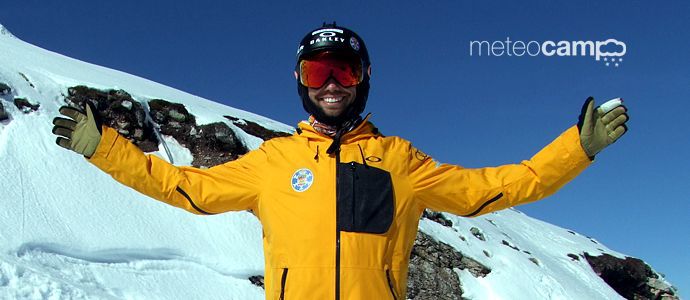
{"x": 340, "y": 226}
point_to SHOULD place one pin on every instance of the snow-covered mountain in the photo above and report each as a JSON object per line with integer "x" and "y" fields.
{"x": 71, "y": 232}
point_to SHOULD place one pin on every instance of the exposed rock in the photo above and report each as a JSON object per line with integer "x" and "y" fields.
{"x": 257, "y": 280}
{"x": 27, "y": 79}
{"x": 138, "y": 134}
{"x": 256, "y": 129}
{"x": 432, "y": 274}
{"x": 663, "y": 289}
{"x": 4, "y": 31}
{"x": 216, "y": 144}
{"x": 504, "y": 242}
{"x": 436, "y": 217}
{"x": 477, "y": 233}
{"x": 630, "y": 277}
{"x": 210, "y": 144}
{"x": 175, "y": 115}
{"x": 5, "y": 89}
{"x": 165, "y": 112}
{"x": 119, "y": 111}
{"x": 534, "y": 260}
{"x": 175, "y": 125}
{"x": 161, "y": 114}
{"x": 3, "y": 114}
{"x": 573, "y": 257}
{"x": 25, "y": 106}
{"x": 126, "y": 104}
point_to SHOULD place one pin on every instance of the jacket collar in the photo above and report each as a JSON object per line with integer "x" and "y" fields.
{"x": 364, "y": 130}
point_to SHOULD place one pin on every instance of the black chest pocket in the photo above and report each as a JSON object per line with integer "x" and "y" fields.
{"x": 365, "y": 199}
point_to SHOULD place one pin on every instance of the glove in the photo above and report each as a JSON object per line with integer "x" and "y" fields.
{"x": 81, "y": 133}
{"x": 600, "y": 128}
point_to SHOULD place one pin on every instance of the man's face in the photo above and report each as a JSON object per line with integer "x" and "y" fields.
{"x": 332, "y": 79}
{"x": 332, "y": 98}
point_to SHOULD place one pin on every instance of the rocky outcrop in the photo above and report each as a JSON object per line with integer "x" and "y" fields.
{"x": 432, "y": 270}
{"x": 476, "y": 232}
{"x": 5, "y": 89}
{"x": 3, "y": 114}
{"x": 257, "y": 280}
{"x": 27, "y": 80}
{"x": 25, "y": 106}
{"x": 4, "y": 31}
{"x": 436, "y": 217}
{"x": 631, "y": 278}
{"x": 119, "y": 111}
{"x": 215, "y": 144}
{"x": 210, "y": 144}
{"x": 173, "y": 118}
{"x": 256, "y": 129}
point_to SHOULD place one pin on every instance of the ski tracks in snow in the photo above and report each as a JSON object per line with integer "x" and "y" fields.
{"x": 53, "y": 271}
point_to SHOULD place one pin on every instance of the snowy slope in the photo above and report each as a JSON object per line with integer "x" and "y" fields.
{"x": 70, "y": 232}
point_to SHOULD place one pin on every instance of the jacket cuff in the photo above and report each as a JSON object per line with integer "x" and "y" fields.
{"x": 572, "y": 144}
{"x": 108, "y": 138}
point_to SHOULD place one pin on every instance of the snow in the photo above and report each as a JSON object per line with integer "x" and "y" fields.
{"x": 71, "y": 232}
{"x": 513, "y": 273}
{"x": 4, "y": 31}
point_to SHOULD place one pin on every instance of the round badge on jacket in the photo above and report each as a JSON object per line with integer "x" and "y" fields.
{"x": 302, "y": 180}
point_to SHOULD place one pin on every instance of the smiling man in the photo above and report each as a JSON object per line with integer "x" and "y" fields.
{"x": 338, "y": 201}
{"x": 333, "y": 79}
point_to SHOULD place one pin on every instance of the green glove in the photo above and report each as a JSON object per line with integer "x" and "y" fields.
{"x": 601, "y": 127}
{"x": 81, "y": 133}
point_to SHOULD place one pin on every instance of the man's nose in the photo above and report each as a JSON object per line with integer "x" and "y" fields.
{"x": 332, "y": 84}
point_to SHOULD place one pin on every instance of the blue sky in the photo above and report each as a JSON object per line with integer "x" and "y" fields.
{"x": 461, "y": 109}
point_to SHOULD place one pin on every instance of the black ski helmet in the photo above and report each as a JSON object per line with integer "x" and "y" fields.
{"x": 331, "y": 37}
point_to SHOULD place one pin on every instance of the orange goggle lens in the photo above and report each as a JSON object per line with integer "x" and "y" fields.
{"x": 315, "y": 72}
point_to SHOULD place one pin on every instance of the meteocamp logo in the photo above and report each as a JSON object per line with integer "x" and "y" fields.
{"x": 610, "y": 51}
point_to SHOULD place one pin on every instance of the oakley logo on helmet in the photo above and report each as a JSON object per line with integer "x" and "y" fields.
{"x": 327, "y": 29}
{"x": 327, "y": 35}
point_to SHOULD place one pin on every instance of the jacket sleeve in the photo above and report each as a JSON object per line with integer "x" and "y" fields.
{"x": 231, "y": 186}
{"x": 473, "y": 192}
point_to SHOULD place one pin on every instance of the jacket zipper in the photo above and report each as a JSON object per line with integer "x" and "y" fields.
{"x": 354, "y": 198}
{"x": 282, "y": 283}
{"x": 390, "y": 284}
{"x": 492, "y": 200}
{"x": 337, "y": 230}
{"x": 184, "y": 194}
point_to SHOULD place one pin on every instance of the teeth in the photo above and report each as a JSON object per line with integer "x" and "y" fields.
{"x": 332, "y": 99}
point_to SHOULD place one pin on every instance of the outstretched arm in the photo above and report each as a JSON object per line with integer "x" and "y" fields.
{"x": 231, "y": 186}
{"x": 472, "y": 192}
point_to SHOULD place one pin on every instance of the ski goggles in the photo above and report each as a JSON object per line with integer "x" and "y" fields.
{"x": 345, "y": 69}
